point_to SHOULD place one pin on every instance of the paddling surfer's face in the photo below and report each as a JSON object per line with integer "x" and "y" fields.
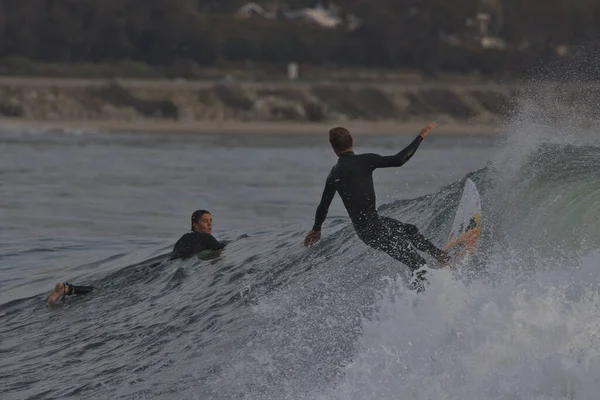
{"x": 204, "y": 224}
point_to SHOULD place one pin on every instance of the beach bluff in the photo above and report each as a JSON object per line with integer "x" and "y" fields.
{"x": 182, "y": 103}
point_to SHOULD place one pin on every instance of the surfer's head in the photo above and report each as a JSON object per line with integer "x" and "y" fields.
{"x": 340, "y": 140}
{"x": 202, "y": 221}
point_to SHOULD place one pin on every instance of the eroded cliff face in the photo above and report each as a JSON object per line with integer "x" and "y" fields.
{"x": 80, "y": 100}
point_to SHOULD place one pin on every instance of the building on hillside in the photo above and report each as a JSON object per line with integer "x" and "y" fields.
{"x": 330, "y": 16}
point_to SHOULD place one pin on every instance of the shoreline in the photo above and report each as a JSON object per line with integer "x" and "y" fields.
{"x": 265, "y": 108}
{"x": 275, "y": 128}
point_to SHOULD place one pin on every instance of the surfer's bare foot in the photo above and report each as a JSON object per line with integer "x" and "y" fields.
{"x": 57, "y": 293}
{"x": 444, "y": 258}
{"x": 458, "y": 251}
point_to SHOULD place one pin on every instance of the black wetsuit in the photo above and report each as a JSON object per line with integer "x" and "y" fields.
{"x": 352, "y": 178}
{"x": 78, "y": 290}
{"x": 72, "y": 290}
{"x": 193, "y": 243}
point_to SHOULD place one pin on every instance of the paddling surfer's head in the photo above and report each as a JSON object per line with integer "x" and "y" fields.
{"x": 340, "y": 139}
{"x": 202, "y": 221}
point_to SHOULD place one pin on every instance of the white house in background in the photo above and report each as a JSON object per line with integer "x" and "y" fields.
{"x": 326, "y": 17}
{"x": 480, "y": 33}
{"x": 318, "y": 16}
{"x": 254, "y": 10}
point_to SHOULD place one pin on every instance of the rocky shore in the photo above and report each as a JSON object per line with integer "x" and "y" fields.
{"x": 181, "y": 105}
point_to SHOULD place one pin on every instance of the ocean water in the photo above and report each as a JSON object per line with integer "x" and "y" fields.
{"x": 271, "y": 319}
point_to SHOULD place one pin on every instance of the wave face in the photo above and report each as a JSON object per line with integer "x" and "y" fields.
{"x": 520, "y": 324}
{"x": 269, "y": 319}
{"x": 522, "y": 321}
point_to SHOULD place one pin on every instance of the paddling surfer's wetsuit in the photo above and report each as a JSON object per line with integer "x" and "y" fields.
{"x": 352, "y": 178}
{"x": 72, "y": 290}
{"x": 193, "y": 243}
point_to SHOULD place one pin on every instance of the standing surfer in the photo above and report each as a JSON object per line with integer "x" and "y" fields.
{"x": 352, "y": 178}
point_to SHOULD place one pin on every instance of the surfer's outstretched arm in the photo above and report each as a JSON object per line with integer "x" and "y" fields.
{"x": 402, "y": 157}
{"x": 62, "y": 290}
{"x": 328, "y": 194}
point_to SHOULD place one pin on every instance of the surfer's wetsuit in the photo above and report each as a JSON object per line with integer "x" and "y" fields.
{"x": 352, "y": 178}
{"x": 69, "y": 289}
{"x": 193, "y": 243}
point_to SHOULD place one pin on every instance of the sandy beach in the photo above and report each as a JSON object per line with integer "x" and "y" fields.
{"x": 249, "y": 127}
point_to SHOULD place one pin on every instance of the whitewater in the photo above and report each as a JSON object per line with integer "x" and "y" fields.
{"x": 270, "y": 319}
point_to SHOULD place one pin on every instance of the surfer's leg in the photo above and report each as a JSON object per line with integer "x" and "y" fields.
{"x": 80, "y": 290}
{"x": 403, "y": 252}
{"x": 406, "y": 254}
{"x": 400, "y": 250}
{"x": 393, "y": 245}
{"x": 411, "y": 233}
{"x": 62, "y": 290}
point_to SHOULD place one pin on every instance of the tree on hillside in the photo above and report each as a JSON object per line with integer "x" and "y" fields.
{"x": 405, "y": 32}
{"x": 392, "y": 33}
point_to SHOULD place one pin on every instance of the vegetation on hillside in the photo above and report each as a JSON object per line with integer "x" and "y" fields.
{"x": 180, "y": 36}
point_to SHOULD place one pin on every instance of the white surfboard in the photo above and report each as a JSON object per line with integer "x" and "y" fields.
{"x": 466, "y": 229}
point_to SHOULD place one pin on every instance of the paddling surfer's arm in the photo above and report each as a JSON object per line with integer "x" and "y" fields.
{"x": 402, "y": 157}
{"x": 328, "y": 194}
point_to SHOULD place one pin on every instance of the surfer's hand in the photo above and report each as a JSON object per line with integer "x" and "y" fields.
{"x": 425, "y": 131}
{"x": 312, "y": 238}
